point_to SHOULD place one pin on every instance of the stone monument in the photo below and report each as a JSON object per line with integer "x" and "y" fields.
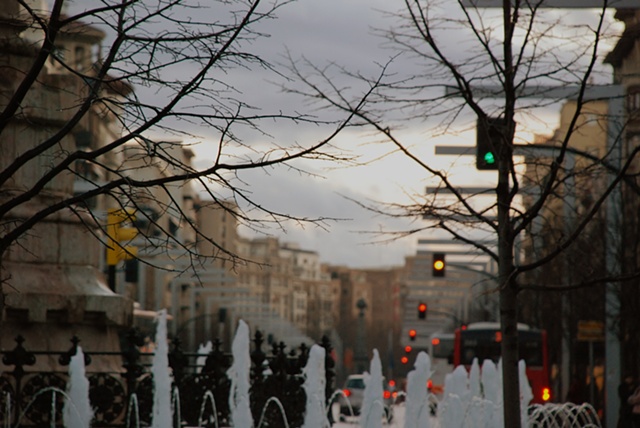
{"x": 51, "y": 279}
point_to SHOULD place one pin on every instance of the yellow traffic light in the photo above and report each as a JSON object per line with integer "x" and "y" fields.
{"x": 439, "y": 265}
{"x": 120, "y": 231}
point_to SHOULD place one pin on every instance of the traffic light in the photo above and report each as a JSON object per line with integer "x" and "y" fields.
{"x": 489, "y": 136}
{"x": 412, "y": 334}
{"x": 120, "y": 231}
{"x": 422, "y": 311}
{"x": 439, "y": 266}
{"x": 407, "y": 350}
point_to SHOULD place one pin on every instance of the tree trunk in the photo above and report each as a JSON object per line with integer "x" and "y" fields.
{"x": 508, "y": 283}
{"x": 510, "y": 375}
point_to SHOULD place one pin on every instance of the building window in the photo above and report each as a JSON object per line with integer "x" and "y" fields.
{"x": 633, "y": 99}
{"x": 173, "y": 228}
{"x": 79, "y": 58}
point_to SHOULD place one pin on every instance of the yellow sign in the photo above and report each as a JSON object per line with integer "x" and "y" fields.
{"x": 120, "y": 231}
{"x": 590, "y": 331}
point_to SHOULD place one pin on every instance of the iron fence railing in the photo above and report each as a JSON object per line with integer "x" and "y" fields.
{"x": 34, "y": 398}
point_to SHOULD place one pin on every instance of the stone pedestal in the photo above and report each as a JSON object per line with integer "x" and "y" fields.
{"x": 50, "y": 275}
{"x": 49, "y": 304}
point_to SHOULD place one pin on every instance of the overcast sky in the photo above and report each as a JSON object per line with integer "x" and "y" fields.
{"x": 341, "y": 31}
{"x": 323, "y": 31}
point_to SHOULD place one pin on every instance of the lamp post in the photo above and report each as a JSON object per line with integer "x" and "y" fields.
{"x": 361, "y": 338}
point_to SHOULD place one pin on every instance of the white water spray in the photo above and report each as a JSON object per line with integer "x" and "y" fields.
{"x": 474, "y": 400}
{"x": 526, "y": 395}
{"x": 238, "y": 374}
{"x": 161, "y": 415}
{"x": 314, "y": 386}
{"x": 417, "y": 407}
{"x": 203, "y": 351}
{"x": 372, "y": 405}
{"x": 77, "y": 411}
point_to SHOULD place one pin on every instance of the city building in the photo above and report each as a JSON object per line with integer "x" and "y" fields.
{"x": 369, "y": 317}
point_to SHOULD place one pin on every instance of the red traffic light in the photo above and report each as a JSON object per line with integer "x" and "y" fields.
{"x": 422, "y": 310}
{"x": 408, "y": 349}
{"x": 412, "y": 334}
{"x": 404, "y": 359}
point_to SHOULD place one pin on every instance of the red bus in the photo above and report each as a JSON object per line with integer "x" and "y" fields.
{"x": 482, "y": 341}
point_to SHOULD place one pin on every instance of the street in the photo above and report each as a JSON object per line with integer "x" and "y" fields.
{"x": 397, "y": 422}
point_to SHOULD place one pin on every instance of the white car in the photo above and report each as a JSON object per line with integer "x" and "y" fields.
{"x": 353, "y": 390}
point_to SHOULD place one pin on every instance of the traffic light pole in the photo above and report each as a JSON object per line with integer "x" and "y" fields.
{"x": 613, "y": 245}
{"x": 615, "y": 95}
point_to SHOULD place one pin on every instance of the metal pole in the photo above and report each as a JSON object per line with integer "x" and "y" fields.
{"x": 612, "y": 258}
{"x": 175, "y": 307}
{"x": 142, "y": 285}
{"x": 569, "y": 206}
{"x": 592, "y": 378}
{"x": 361, "y": 341}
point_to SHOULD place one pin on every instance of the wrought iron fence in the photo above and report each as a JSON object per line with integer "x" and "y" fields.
{"x": 29, "y": 397}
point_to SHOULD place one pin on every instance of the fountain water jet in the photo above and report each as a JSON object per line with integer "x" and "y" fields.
{"x": 278, "y": 403}
{"x": 77, "y": 412}
{"x": 161, "y": 378}
{"x": 203, "y": 351}
{"x": 554, "y": 415}
{"x": 133, "y": 405}
{"x": 471, "y": 400}
{"x": 334, "y": 400}
{"x": 526, "y": 395}
{"x": 475, "y": 399}
{"x": 7, "y": 409}
{"x": 314, "y": 387}
{"x": 372, "y": 406}
{"x": 175, "y": 405}
{"x": 52, "y": 417}
{"x": 417, "y": 407}
{"x": 467, "y": 402}
{"x": 208, "y": 398}
{"x": 238, "y": 373}
{"x": 491, "y": 380}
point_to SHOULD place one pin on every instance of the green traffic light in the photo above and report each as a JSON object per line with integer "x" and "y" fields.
{"x": 489, "y": 158}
